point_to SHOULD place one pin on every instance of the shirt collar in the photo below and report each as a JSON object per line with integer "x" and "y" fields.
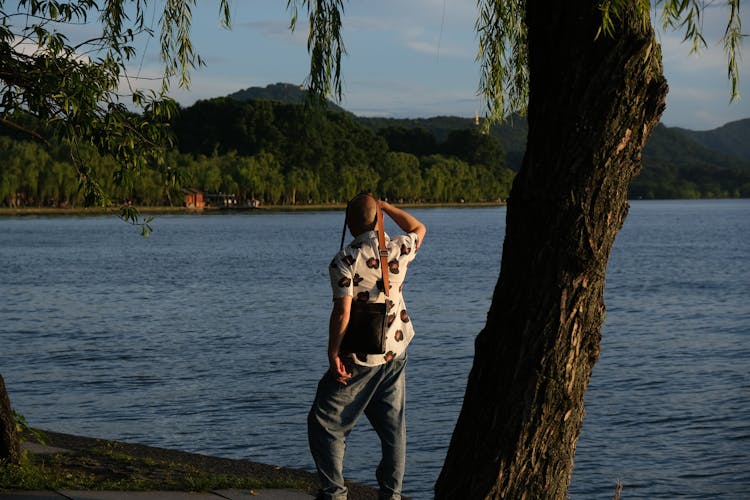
{"x": 368, "y": 235}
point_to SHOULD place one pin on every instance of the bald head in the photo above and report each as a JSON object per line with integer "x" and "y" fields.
{"x": 361, "y": 214}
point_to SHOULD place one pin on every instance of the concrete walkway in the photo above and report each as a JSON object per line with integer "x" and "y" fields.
{"x": 156, "y": 495}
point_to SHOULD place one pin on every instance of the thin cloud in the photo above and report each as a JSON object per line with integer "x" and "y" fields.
{"x": 277, "y": 29}
{"x": 438, "y": 50}
{"x": 676, "y": 55}
{"x": 403, "y": 99}
{"x": 701, "y": 106}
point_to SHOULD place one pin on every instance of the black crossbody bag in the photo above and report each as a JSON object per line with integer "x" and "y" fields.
{"x": 368, "y": 321}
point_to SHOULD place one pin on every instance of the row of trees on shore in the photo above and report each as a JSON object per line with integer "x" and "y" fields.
{"x": 272, "y": 152}
{"x": 664, "y": 180}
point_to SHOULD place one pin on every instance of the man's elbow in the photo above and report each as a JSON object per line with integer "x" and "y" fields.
{"x": 420, "y": 231}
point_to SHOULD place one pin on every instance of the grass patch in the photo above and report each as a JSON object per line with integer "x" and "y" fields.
{"x": 120, "y": 472}
{"x": 110, "y": 465}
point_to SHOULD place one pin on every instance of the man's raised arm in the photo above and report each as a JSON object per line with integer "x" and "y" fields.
{"x": 407, "y": 222}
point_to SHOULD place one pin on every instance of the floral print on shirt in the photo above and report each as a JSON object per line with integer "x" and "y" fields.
{"x": 356, "y": 272}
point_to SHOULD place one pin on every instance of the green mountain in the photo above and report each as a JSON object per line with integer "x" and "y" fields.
{"x": 678, "y": 146}
{"x": 511, "y": 134}
{"x": 677, "y": 162}
{"x": 677, "y": 166}
{"x": 724, "y": 147}
{"x": 730, "y": 139}
{"x": 281, "y": 92}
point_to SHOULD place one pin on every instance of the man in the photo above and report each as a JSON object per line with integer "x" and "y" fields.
{"x": 356, "y": 383}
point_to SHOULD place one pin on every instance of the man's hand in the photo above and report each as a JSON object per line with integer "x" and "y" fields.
{"x": 338, "y": 370}
{"x": 407, "y": 222}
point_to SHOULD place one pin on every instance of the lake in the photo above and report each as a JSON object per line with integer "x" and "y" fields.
{"x": 210, "y": 337}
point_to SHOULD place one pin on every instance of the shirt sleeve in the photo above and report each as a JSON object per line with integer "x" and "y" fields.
{"x": 407, "y": 244}
{"x": 341, "y": 277}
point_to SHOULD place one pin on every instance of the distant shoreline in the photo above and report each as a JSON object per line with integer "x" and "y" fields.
{"x": 30, "y": 211}
{"x": 319, "y": 207}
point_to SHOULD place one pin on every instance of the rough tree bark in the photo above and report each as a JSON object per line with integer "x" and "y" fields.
{"x": 10, "y": 450}
{"x": 593, "y": 103}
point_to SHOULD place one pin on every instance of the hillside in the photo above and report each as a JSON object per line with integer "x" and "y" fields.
{"x": 281, "y": 92}
{"x": 730, "y": 139}
{"x": 678, "y": 146}
{"x": 511, "y": 134}
{"x": 713, "y": 148}
{"x": 677, "y": 162}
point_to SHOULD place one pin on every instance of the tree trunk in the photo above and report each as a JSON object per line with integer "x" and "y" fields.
{"x": 10, "y": 450}
{"x": 593, "y": 103}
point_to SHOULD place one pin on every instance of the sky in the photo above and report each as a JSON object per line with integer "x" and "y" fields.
{"x": 417, "y": 58}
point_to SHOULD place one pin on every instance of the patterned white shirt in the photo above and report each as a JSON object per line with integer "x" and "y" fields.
{"x": 355, "y": 272}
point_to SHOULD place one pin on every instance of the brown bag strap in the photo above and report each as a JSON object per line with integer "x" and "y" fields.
{"x": 382, "y": 248}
